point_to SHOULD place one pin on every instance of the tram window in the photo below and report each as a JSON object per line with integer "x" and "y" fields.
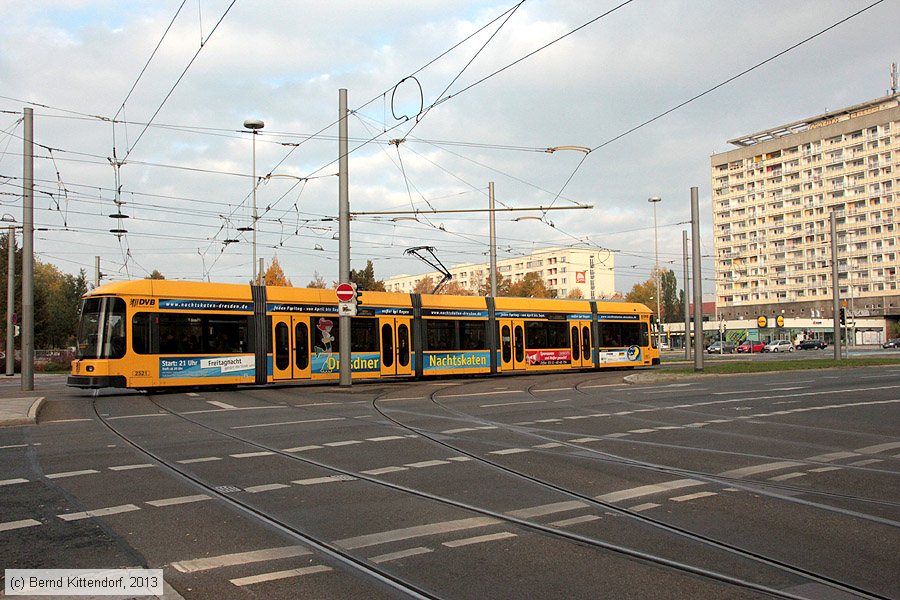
{"x": 576, "y": 347}
{"x": 440, "y": 335}
{"x": 519, "y": 344}
{"x": 472, "y": 335}
{"x": 140, "y": 333}
{"x": 506, "y": 343}
{"x": 363, "y": 335}
{"x": 403, "y": 345}
{"x": 387, "y": 345}
{"x": 586, "y": 349}
{"x": 301, "y": 344}
{"x": 206, "y": 334}
{"x": 101, "y": 328}
{"x": 540, "y": 335}
{"x": 282, "y": 346}
{"x": 617, "y": 335}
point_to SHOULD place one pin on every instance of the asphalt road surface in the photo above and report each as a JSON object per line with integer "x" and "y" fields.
{"x": 555, "y": 486}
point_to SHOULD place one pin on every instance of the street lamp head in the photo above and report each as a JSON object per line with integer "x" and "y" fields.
{"x": 8, "y": 218}
{"x": 654, "y": 199}
{"x": 254, "y": 124}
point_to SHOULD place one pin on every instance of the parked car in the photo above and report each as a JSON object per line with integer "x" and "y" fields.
{"x": 892, "y": 343}
{"x": 812, "y": 345}
{"x": 750, "y": 346}
{"x": 720, "y": 348}
{"x": 779, "y": 346}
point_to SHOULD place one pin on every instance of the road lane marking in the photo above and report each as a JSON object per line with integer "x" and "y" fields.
{"x": 385, "y": 438}
{"x": 100, "y": 512}
{"x": 832, "y": 456}
{"x": 13, "y": 481}
{"x": 689, "y": 497}
{"x": 510, "y": 451}
{"x": 238, "y": 558}
{"x": 289, "y": 423}
{"x": 218, "y": 410}
{"x": 66, "y": 421}
{"x": 824, "y": 469}
{"x": 131, "y": 467}
{"x": 513, "y": 403}
{"x": 787, "y": 476}
{"x": 426, "y": 463}
{"x": 460, "y": 458}
{"x": 547, "y": 509}
{"x": 878, "y": 448}
{"x": 383, "y": 470}
{"x": 400, "y": 554}
{"x": 221, "y": 404}
{"x": 344, "y": 443}
{"x": 178, "y": 500}
{"x": 14, "y": 446}
{"x": 647, "y": 490}
{"x": 862, "y": 463}
{"x": 406, "y": 533}
{"x": 480, "y": 539}
{"x": 266, "y": 487}
{"x": 327, "y": 479}
{"x": 159, "y": 414}
{"x": 484, "y": 394}
{"x": 548, "y": 445}
{"x": 584, "y": 440}
{"x": 190, "y": 461}
{"x": 302, "y": 448}
{"x": 276, "y": 575}
{"x": 575, "y": 521}
{"x": 252, "y": 454}
{"x": 641, "y": 430}
{"x": 70, "y": 474}
{"x": 10, "y": 525}
{"x": 565, "y": 389}
{"x": 757, "y": 469}
{"x": 643, "y": 507}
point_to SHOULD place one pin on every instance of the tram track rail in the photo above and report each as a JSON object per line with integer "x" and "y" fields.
{"x": 530, "y": 525}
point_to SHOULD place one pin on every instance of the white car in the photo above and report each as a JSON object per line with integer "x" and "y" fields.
{"x": 779, "y": 346}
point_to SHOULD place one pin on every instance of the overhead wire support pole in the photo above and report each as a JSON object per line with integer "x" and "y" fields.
{"x": 28, "y": 254}
{"x": 835, "y": 287}
{"x": 698, "y": 282}
{"x": 493, "y": 240}
{"x": 346, "y": 378}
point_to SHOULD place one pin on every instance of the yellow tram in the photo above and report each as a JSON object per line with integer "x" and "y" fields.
{"x": 158, "y": 333}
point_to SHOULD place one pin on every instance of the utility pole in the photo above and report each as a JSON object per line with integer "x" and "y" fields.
{"x": 835, "y": 288}
{"x": 346, "y": 378}
{"x": 28, "y": 254}
{"x": 97, "y": 273}
{"x": 10, "y": 302}
{"x": 698, "y": 282}
{"x": 493, "y": 234}
{"x": 687, "y": 296}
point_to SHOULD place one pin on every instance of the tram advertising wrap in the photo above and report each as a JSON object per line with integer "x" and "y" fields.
{"x": 156, "y": 333}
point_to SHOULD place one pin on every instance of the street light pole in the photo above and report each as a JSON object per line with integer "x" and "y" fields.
{"x": 10, "y": 300}
{"x": 654, "y": 200}
{"x": 254, "y": 125}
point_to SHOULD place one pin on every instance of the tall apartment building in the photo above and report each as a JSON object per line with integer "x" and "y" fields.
{"x": 772, "y": 198}
{"x": 561, "y": 269}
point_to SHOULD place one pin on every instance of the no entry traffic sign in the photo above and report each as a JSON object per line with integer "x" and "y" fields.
{"x": 345, "y": 292}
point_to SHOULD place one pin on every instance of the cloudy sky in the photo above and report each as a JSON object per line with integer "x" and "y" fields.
{"x": 164, "y": 86}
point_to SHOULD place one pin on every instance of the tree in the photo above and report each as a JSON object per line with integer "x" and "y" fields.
{"x": 365, "y": 279}
{"x": 644, "y": 293}
{"x": 318, "y": 282}
{"x": 672, "y": 309}
{"x": 57, "y": 298}
{"x": 531, "y": 286}
{"x": 155, "y": 275}
{"x": 424, "y": 285}
{"x": 455, "y": 288}
{"x": 575, "y": 293}
{"x": 503, "y": 285}
{"x": 275, "y": 276}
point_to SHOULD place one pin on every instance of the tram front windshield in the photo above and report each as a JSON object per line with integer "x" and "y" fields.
{"x": 101, "y": 328}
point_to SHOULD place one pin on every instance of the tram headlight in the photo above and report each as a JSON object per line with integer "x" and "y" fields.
{"x": 89, "y": 368}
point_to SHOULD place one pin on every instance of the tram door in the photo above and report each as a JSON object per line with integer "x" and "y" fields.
{"x": 582, "y": 349}
{"x": 512, "y": 345}
{"x": 395, "y": 346}
{"x": 290, "y": 347}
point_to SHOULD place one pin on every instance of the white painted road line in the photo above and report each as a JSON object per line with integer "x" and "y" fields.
{"x": 510, "y": 451}
{"x": 252, "y": 454}
{"x": 832, "y": 456}
{"x": 401, "y": 554}
{"x": 289, "y": 423}
{"x": 383, "y": 470}
{"x": 513, "y": 403}
{"x": 70, "y": 474}
{"x": 13, "y": 446}
{"x": 10, "y": 525}
{"x": 643, "y": 507}
{"x": 159, "y": 414}
{"x": 696, "y": 496}
{"x": 178, "y": 500}
{"x": 238, "y": 558}
{"x": 13, "y": 481}
{"x": 548, "y": 445}
{"x": 878, "y": 448}
{"x": 131, "y": 467}
{"x": 575, "y": 521}
{"x": 565, "y": 389}
{"x": 584, "y": 440}
{"x": 396, "y": 535}
{"x": 221, "y": 404}
{"x": 484, "y": 394}
{"x": 480, "y": 539}
{"x": 343, "y": 443}
{"x": 242, "y": 581}
{"x": 824, "y": 469}
{"x": 328, "y": 479}
{"x": 862, "y": 463}
{"x": 234, "y": 408}
{"x": 100, "y": 512}
{"x": 787, "y": 476}
{"x": 757, "y": 469}
{"x": 647, "y": 490}
{"x": 460, "y": 458}
{"x": 266, "y": 487}
{"x": 426, "y": 463}
{"x": 190, "y": 461}
{"x": 547, "y": 509}
{"x": 385, "y": 438}
{"x": 302, "y": 448}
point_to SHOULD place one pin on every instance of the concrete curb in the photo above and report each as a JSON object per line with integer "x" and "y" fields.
{"x": 36, "y": 407}
{"x": 26, "y": 419}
